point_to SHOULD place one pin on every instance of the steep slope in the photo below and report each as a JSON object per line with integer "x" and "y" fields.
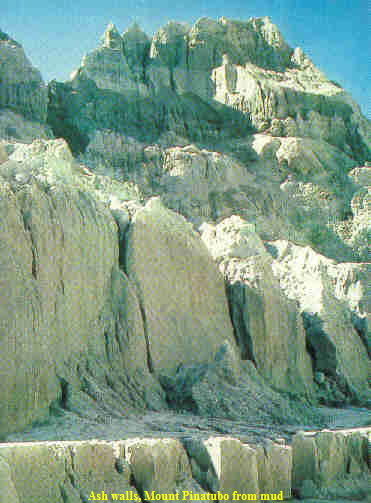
{"x": 187, "y": 299}
{"x": 179, "y": 121}
{"x": 23, "y": 94}
{"x": 112, "y": 302}
{"x": 70, "y": 320}
{"x": 244, "y": 65}
{"x": 103, "y": 333}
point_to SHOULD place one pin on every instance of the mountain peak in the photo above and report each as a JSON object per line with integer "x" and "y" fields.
{"x": 135, "y": 32}
{"x": 111, "y": 38}
{"x": 4, "y": 37}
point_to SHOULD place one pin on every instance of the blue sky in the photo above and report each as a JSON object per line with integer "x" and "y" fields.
{"x": 336, "y": 34}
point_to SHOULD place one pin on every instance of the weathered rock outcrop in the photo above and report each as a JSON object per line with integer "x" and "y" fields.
{"x": 267, "y": 325}
{"x": 197, "y": 182}
{"x": 315, "y": 192}
{"x": 361, "y": 208}
{"x": 69, "y": 316}
{"x": 233, "y": 466}
{"x": 299, "y": 184}
{"x": 334, "y": 300}
{"x": 332, "y": 465}
{"x": 23, "y": 94}
{"x": 160, "y": 466}
{"x": 137, "y": 469}
{"x": 63, "y": 471}
{"x": 15, "y": 127}
{"x": 246, "y": 66}
{"x": 319, "y": 465}
{"x": 85, "y": 335}
{"x": 175, "y": 114}
{"x": 22, "y": 88}
{"x": 3, "y": 154}
{"x": 275, "y": 468}
{"x": 180, "y": 290}
{"x": 268, "y": 293}
{"x": 112, "y": 303}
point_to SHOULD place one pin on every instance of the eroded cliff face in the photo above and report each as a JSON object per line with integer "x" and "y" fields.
{"x": 267, "y": 325}
{"x": 246, "y": 66}
{"x": 23, "y": 94}
{"x": 194, "y": 261}
{"x": 111, "y": 307}
{"x": 176, "y": 114}
{"x": 330, "y": 466}
{"x": 63, "y": 295}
